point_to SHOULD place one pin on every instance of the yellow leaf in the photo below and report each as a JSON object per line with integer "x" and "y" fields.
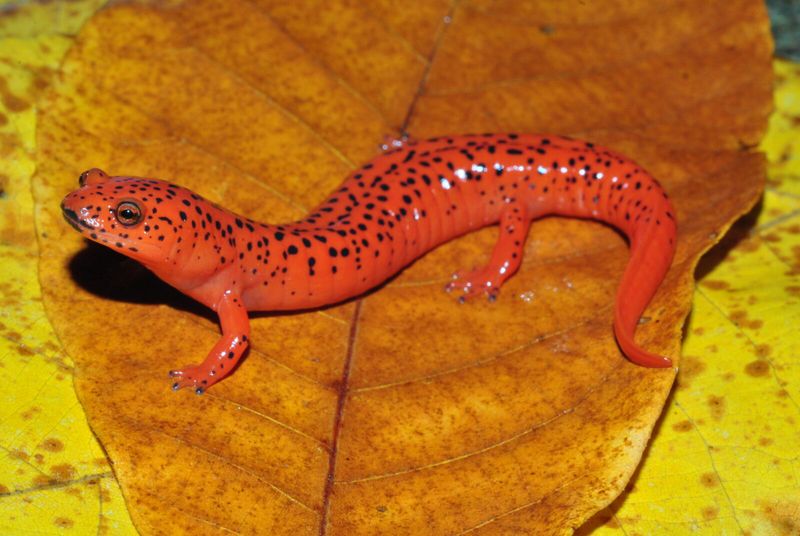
{"x": 53, "y": 474}
{"x": 724, "y": 458}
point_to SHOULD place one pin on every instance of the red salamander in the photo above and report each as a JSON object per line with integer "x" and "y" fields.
{"x": 386, "y": 214}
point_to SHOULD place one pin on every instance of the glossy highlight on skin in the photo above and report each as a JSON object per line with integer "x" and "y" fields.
{"x": 392, "y": 210}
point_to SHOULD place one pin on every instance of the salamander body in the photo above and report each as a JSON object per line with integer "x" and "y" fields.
{"x": 386, "y": 214}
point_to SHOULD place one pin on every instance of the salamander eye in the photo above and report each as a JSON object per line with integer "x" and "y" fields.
{"x": 128, "y": 213}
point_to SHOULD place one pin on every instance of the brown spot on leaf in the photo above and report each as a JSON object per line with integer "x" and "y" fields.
{"x": 63, "y": 472}
{"x": 11, "y": 101}
{"x": 64, "y": 522}
{"x": 25, "y": 351}
{"x": 691, "y": 366}
{"x": 709, "y": 480}
{"x": 729, "y": 376}
{"x": 757, "y": 369}
{"x": 43, "y": 480}
{"x": 765, "y": 441}
{"x": 739, "y": 318}
{"x": 682, "y": 426}
{"x": 3, "y": 489}
{"x": 52, "y": 444}
{"x": 716, "y": 284}
{"x": 13, "y": 336}
{"x": 763, "y": 350}
{"x": 782, "y": 516}
{"x": 20, "y": 454}
{"x": 710, "y": 512}
{"x": 717, "y": 406}
{"x": 29, "y": 413}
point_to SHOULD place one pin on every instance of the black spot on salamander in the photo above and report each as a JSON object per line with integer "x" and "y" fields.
{"x": 292, "y": 250}
{"x": 279, "y": 236}
{"x": 182, "y": 214}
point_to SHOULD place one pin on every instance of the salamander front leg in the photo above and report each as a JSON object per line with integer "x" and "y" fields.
{"x": 506, "y": 257}
{"x": 225, "y": 354}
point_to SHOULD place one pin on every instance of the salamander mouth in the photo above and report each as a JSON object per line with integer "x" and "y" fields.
{"x": 72, "y": 218}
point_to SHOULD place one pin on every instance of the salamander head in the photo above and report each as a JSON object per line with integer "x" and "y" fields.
{"x": 141, "y": 218}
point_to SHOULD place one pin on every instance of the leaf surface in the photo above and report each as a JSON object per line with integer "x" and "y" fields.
{"x": 724, "y": 458}
{"x": 400, "y": 411}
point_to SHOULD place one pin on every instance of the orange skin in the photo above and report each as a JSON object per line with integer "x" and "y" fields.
{"x": 386, "y": 214}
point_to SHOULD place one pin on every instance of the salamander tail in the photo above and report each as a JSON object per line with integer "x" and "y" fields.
{"x": 652, "y": 250}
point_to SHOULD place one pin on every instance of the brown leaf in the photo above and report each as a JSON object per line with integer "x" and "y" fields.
{"x": 399, "y": 412}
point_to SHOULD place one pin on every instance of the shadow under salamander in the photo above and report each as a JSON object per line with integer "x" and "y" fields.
{"x": 113, "y": 276}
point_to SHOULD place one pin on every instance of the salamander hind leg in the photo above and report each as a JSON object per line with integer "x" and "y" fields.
{"x": 505, "y": 260}
{"x": 223, "y": 357}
